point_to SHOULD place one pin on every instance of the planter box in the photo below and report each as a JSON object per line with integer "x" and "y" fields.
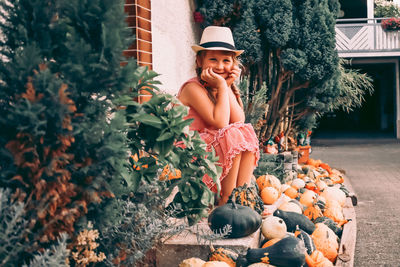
{"x": 304, "y": 154}
{"x": 348, "y": 241}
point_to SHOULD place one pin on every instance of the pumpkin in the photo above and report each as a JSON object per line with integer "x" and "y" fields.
{"x": 293, "y": 219}
{"x": 243, "y": 220}
{"x": 247, "y": 196}
{"x": 326, "y": 167}
{"x": 321, "y": 202}
{"x": 287, "y": 252}
{"x": 310, "y": 185}
{"x": 334, "y": 211}
{"x": 321, "y": 185}
{"x": 223, "y": 254}
{"x": 215, "y": 264}
{"x": 298, "y": 183}
{"x": 192, "y": 262}
{"x": 269, "y": 195}
{"x": 260, "y": 264}
{"x": 314, "y": 163}
{"x": 270, "y": 242}
{"x": 307, "y": 240}
{"x": 345, "y": 190}
{"x": 308, "y": 198}
{"x": 334, "y": 193}
{"x": 317, "y": 259}
{"x": 331, "y": 224}
{"x": 291, "y": 192}
{"x": 268, "y": 180}
{"x": 326, "y": 241}
{"x": 291, "y": 206}
{"x": 273, "y": 227}
{"x": 313, "y": 212}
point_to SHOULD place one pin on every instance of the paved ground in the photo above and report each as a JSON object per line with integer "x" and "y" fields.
{"x": 373, "y": 167}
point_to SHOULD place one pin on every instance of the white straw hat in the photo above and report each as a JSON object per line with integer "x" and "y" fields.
{"x": 217, "y": 38}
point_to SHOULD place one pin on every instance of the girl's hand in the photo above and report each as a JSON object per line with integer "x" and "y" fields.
{"x": 235, "y": 73}
{"x": 212, "y": 79}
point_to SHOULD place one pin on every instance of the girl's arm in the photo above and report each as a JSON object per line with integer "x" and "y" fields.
{"x": 237, "y": 113}
{"x": 196, "y": 96}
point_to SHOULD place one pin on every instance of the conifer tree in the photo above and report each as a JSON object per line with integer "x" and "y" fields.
{"x": 61, "y": 151}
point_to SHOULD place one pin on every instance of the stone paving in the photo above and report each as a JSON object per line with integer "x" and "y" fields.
{"x": 372, "y": 165}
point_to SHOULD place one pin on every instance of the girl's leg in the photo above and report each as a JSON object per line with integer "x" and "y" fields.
{"x": 230, "y": 181}
{"x": 246, "y": 168}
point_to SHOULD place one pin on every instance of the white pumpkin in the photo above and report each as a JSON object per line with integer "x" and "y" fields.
{"x": 192, "y": 262}
{"x": 321, "y": 185}
{"x": 334, "y": 193}
{"x": 273, "y": 227}
{"x": 260, "y": 264}
{"x": 284, "y": 187}
{"x": 291, "y": 206}
{"x": 298, "y": 183}
{"x": 215, "y": 264}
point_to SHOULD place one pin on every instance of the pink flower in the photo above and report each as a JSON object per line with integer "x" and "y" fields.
{"x": 198, "y": 17}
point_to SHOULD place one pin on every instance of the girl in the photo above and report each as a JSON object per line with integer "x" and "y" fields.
{"x": 214, "y": 104}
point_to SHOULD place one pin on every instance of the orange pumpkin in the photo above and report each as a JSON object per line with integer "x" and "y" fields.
{"x": 291, "y": 192}
{"x": 334, "y": 211}
{"x": 317, "y": 259}
{"x": 326, "y": 167}
{"x": 268, "y": 180}
{"x": 326, "y": 241}
{"x": 224, "y": 255}
{"x": 313, "y": 162}
{"x": 269, "y": 195}
{"x": 313, "y": 212}
{"x": 308, "y": 198}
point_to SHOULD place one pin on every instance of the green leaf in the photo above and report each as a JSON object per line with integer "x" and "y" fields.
{"x": 165, "y": 136}
{"x": 147, "y": 119}
{"x": 206, "y": 197}
{"x": 194, "y": 192}
{"x": 133, "y": 180}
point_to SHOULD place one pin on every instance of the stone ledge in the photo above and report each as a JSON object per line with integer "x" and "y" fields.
{"x": 186, "y": 245}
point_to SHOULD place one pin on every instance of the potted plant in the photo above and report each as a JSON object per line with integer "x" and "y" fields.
{"x": 391, "y": 24}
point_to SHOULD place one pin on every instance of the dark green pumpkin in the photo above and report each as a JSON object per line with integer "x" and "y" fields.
{"x": 247, "y": 196}
{"x": 287, "y": 252}
{"x": 307, "y": 240}
{"x": 243, "y": 220}
{"x": 294, "y": 219}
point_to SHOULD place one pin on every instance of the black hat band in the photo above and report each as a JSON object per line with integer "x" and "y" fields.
{"x": 218, "y": 44}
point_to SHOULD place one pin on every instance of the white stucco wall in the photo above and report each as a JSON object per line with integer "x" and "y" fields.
{"x": 173, "y": 32}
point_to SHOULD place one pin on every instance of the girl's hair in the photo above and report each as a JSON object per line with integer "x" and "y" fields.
{"x": 235, "y": 89}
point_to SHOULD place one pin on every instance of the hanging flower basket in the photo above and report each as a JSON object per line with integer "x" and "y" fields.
{"x": 392, "y": 24}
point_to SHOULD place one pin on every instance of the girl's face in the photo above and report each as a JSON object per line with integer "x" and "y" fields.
{"x": 221, "y": 62}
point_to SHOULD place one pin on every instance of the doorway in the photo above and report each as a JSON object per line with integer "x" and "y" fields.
{"x": 376, "y": 116}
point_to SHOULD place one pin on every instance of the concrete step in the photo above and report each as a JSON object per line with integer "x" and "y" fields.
{"x": 186, "y": 245}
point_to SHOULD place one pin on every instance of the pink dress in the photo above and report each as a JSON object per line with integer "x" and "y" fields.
{"x": 227, "y": 142}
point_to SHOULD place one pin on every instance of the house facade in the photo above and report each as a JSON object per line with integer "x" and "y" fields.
{"x": 361, "y": 39}
{"x": 166, "y": 31}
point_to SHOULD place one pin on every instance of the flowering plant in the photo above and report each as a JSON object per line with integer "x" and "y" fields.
{"x": 392, "y": 24}
{"x": 386, "y": 9}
